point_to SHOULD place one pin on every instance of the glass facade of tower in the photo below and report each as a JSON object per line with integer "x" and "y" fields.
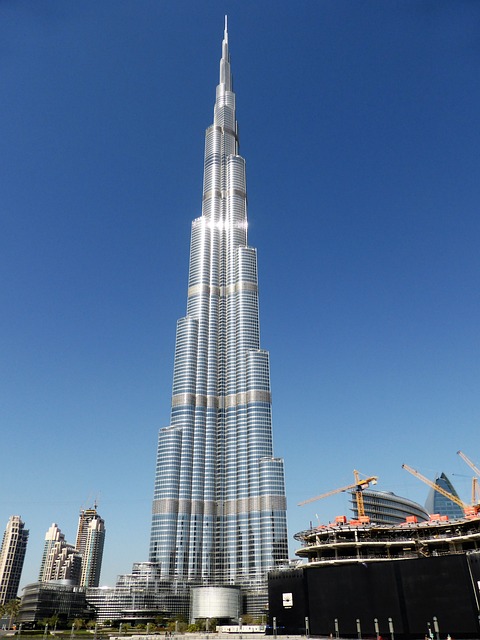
{"x": 219, "y": 509}
{"x": 438, "y": 503}
{"x": 384, "y": 507}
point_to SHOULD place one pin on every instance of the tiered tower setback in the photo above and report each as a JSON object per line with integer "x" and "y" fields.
{"x": 60, "y": 560}
{"x": 219, "y": 509}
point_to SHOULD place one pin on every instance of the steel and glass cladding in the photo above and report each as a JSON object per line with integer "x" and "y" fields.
{"x": 438, "y": 503}
{"x": 219, "y": 509}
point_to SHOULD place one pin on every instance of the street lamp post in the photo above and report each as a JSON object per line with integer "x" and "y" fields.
{"x": 359, "y": 629}
{"x": 390, "y": 626}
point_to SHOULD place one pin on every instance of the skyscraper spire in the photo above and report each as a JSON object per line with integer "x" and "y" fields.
{"x": 225, "y": 73}
{"x": 219, "y": 509}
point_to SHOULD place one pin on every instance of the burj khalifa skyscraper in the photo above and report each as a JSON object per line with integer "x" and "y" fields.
{"x": 219, "y": 508}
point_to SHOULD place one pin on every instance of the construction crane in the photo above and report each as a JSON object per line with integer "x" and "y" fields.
{"x": 467, "y": 508}
{"x": 476, "y": 470}
{"x": 359, "y": 485}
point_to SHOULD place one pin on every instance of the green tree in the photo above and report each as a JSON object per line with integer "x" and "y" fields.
{"x": 179, "y": 624}
{"x": 12, "y": 608}
{"x": 53, "y": 620}
{"x": 78, "y": 623}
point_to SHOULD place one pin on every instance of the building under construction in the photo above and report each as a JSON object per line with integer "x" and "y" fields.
{"x": 363, "y": 579}
{"x": 412, "y": 579}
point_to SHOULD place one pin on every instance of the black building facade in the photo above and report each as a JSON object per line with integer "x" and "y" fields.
{"x": 41, "y": 600}
{"x": 398, "y": 598}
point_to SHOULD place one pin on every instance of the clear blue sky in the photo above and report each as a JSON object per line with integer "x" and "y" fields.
{"x": 359, "y": 121}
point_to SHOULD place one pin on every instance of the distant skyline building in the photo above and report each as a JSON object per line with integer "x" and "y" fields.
{"x": 90, "y": 543}
{"x": 438, "y": 503}
{"x": 12, "y": 556}
{"x": 60, "y": 560}
{"x": 384, "y": 507}
{"x": 219, "y": 508}
{"x": 52, "y": 537}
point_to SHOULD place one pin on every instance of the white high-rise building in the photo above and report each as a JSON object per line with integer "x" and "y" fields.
{"x": 12, "y": 555}
{"x": 90, "y": 542}
{"x": 60, "y": 560}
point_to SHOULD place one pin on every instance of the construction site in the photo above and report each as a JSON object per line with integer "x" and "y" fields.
{"x": 393, "y": 570}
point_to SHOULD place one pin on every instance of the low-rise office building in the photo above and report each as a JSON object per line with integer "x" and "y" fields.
{"x": 41, "y": 600}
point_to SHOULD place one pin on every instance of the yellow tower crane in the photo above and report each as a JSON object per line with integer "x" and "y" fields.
{"x": 476, "y": 470}
{"x": 467, "y": 508}
{"x": 359, "y": 485}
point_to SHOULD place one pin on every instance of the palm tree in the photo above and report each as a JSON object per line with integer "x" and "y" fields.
{"x": 11, "y": 609}
{"x": 53, "y": 621}
{"x": 78, "y": 623}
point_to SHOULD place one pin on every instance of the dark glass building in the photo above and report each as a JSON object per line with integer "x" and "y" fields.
{"x": 438, "y": 503}
{"x": 42, "y": 600}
